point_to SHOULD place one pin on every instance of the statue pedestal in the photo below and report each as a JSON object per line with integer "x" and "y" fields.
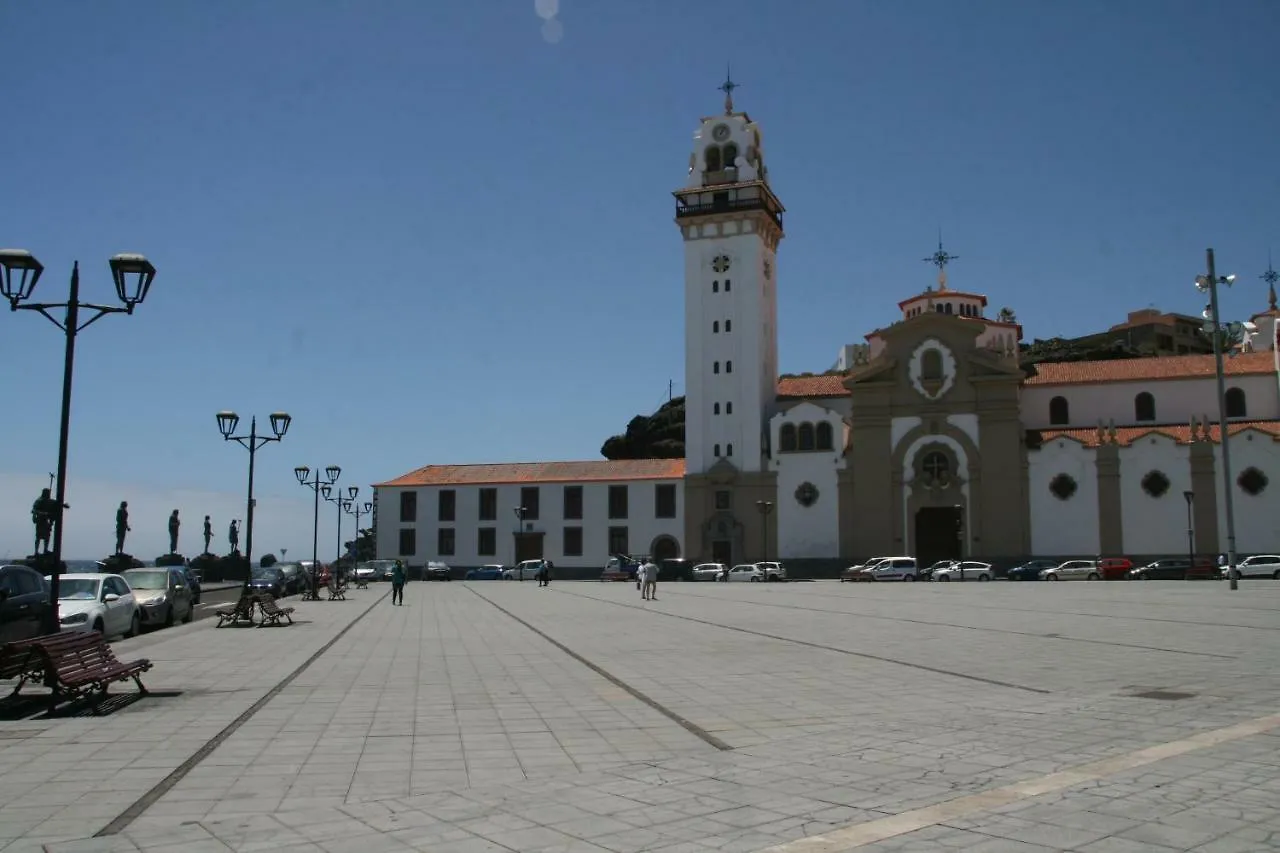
{"x": 44, "y": 564}
{"x": 171, "y": 560}
{"x": 117, "y": 563}
{"x": 234, "y": 567}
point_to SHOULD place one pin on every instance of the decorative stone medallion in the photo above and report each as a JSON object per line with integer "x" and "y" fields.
{"x": 1063, "y": 487}
{"x": 933, "y": 384}
{"x": 1155, "y": 484}
{"x": 721, "y": 263}
{"x": 807, "y": 494}
{"x": 1252, "y": 481}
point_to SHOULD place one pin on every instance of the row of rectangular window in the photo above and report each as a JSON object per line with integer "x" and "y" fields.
{"x": 728, "y": 367}
{"x": 664, "y": 503}
{"x": 487, "y": 541}
{"x": 715, "y": 326}
{"x": 715, "y": 286}
{"x": 728, "y": 408}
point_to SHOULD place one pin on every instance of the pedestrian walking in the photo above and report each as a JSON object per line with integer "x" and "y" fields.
{"x": 649, "y": 572}
{"x": 397, "y": 583}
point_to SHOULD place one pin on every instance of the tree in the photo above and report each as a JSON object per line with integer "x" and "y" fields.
{"x": 268, "y": 560}
{"x": 363, "y": 545}
{"x": 657, "y": 436}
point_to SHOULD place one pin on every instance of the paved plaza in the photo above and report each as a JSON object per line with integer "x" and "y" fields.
{"x": 789, "y": 718}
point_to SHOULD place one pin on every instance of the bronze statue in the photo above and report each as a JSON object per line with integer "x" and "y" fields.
{"x": 44, "y": 512}
{"x": 233, "y": 534}
{"x": 174, "y": 524}
{"x": 122, "y": 525}
{"x": 208, "y": 533}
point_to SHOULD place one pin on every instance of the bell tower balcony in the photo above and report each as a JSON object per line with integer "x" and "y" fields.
{"x": 729, "y": 198}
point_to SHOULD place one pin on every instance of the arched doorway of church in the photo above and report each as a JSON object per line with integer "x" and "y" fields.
{"x": 938, "y": 534}
{"x": 664, "y": 548}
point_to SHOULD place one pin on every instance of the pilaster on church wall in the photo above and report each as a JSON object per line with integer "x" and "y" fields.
{"x": 1063, "y": 527}
{"x": 1154, "y": 524}
{"x": 1257, "y": 517}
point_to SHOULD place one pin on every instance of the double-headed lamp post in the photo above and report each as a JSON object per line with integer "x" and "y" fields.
{"x": 765, "y": 507}
{"x": 331, "y": 475}
{"x": 1209, "y": 283}
{"x": 515, "y": 540}
{"x": 19, "y": 273}
{"x": 338, "y": 500}
{"x": 1191, "y": 532}
{"x": 353, "y": 507}
{"x": 227, "y": 423}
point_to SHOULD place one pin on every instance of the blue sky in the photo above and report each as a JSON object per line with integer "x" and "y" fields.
{"x": 442, "y": 232}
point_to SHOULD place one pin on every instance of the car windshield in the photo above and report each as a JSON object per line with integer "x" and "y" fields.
{"x": 265, "y": 574}
{"x": 147, "y": 580}
{"x": 78, "y": 589}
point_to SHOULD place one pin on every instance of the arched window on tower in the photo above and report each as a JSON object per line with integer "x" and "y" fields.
{"x": 715, "y": 451}
{"x": 715, "y": 367}
{"x": 715, "y": 287}
{"x": 1144, "y": 407}
{"x": 1059, "y": 412}
{"x": 713, "y": 164}
{"x": 730, "y": 156}
{"x": 947, "y": 310}
{"x": 1237, "y": 405}
{"x": 728, "y": 285}
{"x": 728, "y": 408}
{"x": 715, "y": 327}
{"x": 931, "y": 364}
{"x": 806, "y": 436}
{"x": 728, "y": 450}
{"x": 823, "y": 436}
{"x": 787, "y": 438}
{"x": 715, "y": 408}
{"x": 728, "y": 367}
{"x": 728, "y": 326}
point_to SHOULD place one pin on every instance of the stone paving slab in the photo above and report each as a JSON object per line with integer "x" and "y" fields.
{"x": 797, "y": 718}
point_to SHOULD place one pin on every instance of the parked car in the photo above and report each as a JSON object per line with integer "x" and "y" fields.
{"x": 895, "y": 569}
{"x": 163, "y": 595}
{"x": 437, "y": 571}
{"x": 675, "y": 569}
{"x": 525, "y": 570}
{"x": 491, "y": 572}
{"x": 1257, "y": 566}
{"x": 709, "y": 571}
{"x": 294, "y": 579}
{"x": 193, "y": 581}
{"x": 1031, "y": 570}
{"x": 926, "y": 574}
{"x": 270, "y": 580}
{"x": 97, "y": 602}
{"x": 965, "y": 570}
{"x": 24, "y": 603}
{"x": 744, "y": 572}
{"x": 772, "y": 571}
{"x": 1115, "y": 568}
{"x": 1072, "y": 570}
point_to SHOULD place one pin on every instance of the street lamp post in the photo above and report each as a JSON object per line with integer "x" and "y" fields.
{"x": 765, "y": 507}
{"x": 1191, "y": 533}
{"x": 960, "y": 538}
{"x": 1209, "y": 283}
{"x": 331, "y": 475}
{"x": 337, "y": 500}
{"x": 357, "y": 512}
{"x": 227, "y": 423}
{"x": 515, "y": 541}
{"x": 19, "y": 273}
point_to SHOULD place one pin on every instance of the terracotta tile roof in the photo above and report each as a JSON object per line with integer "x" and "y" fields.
{"x": 1150, "y": 369}
{"x": 542, "y": 472}
{"x": 803, "y": 387}
{"x": 1126, "y": 436}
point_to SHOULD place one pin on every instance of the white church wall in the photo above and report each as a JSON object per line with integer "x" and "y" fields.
{"x": 1154, "y": 525}
{"x": 1063, "y": 527}
{"x": 1177, "y": 401}
{"x": 1257, "y": 516}
{"x": 812, "y": 531}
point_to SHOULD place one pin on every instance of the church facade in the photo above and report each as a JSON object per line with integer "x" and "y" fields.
{"x": 931, "y": 440}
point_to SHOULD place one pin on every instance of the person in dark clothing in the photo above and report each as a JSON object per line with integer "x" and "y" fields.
{"x": 397, "y": 583}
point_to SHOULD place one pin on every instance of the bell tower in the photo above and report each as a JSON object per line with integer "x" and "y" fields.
{"x": 731, "y": 223}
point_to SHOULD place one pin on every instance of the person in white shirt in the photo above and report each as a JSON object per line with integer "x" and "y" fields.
{"x": 650, "y": 574}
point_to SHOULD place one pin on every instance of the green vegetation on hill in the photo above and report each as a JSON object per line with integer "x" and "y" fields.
{"x": 657, "y": 436}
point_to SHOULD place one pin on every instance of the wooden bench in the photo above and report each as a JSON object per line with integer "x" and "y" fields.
{"x": 337, "y": 592}
{"x": 362, "y": 583}
{"x": 77, "y": 664}
{"x": 241, "y": 612}
{"x": 272, "y": 613}
{"x": 18, "y": 660}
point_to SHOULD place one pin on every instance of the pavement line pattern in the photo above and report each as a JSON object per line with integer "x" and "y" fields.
{"x": 861, "y": 615}
{"x": 881, "y": 829}
{"x": 129, "y": 815}
{"x": 867, "y": 655}
{"x": 688, "y": 725}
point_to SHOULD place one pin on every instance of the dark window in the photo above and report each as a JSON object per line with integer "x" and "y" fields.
{"x": 487, "y": 541}
{"x": 1059, "y": 412}
{"x": 936, "y": 465}
{"x": 824, "y": 437}
{"x": 617, "y": 540}
{"x": 444, "y": 542}
{"x": 1144, "y": 407}
{"x": 728, "y": 367}
{"x": 715, "y": 367}
{"x": 529, "y": 499}
{"x": 573, "y": 541}
{"x": 931, "y": 364}
{"x": 715, "y": 408}
{"x": 664, "y": 500}
{"x": 448, "y": 505}
{"x": 488, "y": 504}
{"x": 713, "y": 159}
{"x": 617, "y": 501}
{"x": 728, "y": 449}
{"x": 787, "y": 438}
{"x": 408, "y": 541}
{"x": 724, "y": 499}
{"x": 728, "y": 408}
{"x": 573, "y": 501}
{"x": 730, "y": 156}
{"x": 715, "y": 451}
{"x": 806, "y": 437}
{"x": 408, "y": 506}
{"x": 1237, "y": 406}
{"x": 728, "y": 325}
{"x": 728, "y": 285}
{"x": 715, "y": 287}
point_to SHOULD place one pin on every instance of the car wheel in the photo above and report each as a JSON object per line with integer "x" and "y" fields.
{"x": 983, "y": 578}
{"x": 1276, "y": 576}
{"x": 98, "y": 626}
{"x": 909, "y": 577}
{"x": 190, "y": 614}
{"x": 755, "y": 580}
{"x": 1051, "y": 577}
{"x": 1093, "y": 576}
{"x": 135, "y": 626}
{"x": 945, "y": 578}
{"x": 168, "y": 617}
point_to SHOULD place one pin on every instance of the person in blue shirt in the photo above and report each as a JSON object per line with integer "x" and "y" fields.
{"x": 397, "y": 583}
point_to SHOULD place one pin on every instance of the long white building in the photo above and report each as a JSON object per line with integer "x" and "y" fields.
{"x": 928, "y": 439}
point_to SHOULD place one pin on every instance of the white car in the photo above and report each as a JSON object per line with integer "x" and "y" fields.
{"x": 772, "y": 571}
{"x": 744, "y": 572}
{"x": 1073, "y": 570}
{"x": 1257, "y": 566}
{"x": 973, "y": 571}
{"x": 895, "y": 569}
{"x": 97, "y": 602}
{"x": 709, "y": 571}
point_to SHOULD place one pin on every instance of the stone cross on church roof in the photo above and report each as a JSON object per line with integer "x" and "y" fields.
{"x": 940, "y": 259}
{"x": 727, "y": 87}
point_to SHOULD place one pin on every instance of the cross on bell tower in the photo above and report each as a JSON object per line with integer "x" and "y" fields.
{"x": 1270, "y": 277}
{"x": 940, "y": 259}
{"x": 727, "y": 87}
